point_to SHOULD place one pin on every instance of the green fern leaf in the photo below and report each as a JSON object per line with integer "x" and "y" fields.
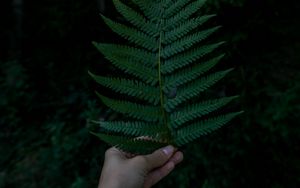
{"x": 137, "y": 128}
{"x": 185, "y": 28}
{"x": 149, "y": 8}
{"x": 176, "y": 6}
{"x": 194, "y": 111}
{"x": 187, "y": 42}
{"x": 129, "y": 66}
{"x": 184, "y": 14}
{"x": 190, "y": 73}
{"x": 133, "y": 35}
{"x": 186, "y": 58}
{"x": 195, "y": 88}
{"x": 130, "y": 87}
{"x": 133, "y": 54}
{"x": 136, "y": 19}
{"x": 167, "y": 64}
{"x": 142, "y": 112}
{"x": 194, "y": 131}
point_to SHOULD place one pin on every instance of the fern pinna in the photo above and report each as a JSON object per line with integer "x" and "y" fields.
{"x": 166, "y": 66}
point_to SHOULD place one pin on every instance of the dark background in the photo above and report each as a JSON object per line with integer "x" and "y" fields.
{"x": 46, "y": 96}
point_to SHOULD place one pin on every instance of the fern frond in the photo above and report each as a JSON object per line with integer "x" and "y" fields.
{"x": 195, "y": 88}
{"x": 190, "y": 73}
{"x": 130, "y": 87}
{"x": 136, "y": 128}
{"x": 129, "y": 66}
{"x": 136, "y": 19}
{"x": 187, "y": 42}
{"x": 198, "y": 110}
{"x": 133, "y": 35}
{"x": 194, "y": 131}
{"x": 161, "y": 75}
{"x": 184, "y": 14}
{"x": 138, "y": 111}
{"x": 185, "y": 27}
{"x": 186, "y": 58}
{"x": 132, "y": 145}
{"x": 135, "y": 54}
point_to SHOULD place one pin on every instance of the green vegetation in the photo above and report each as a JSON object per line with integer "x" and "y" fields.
{"x": 46, "y": 97}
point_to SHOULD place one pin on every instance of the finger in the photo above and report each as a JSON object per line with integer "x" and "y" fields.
{"x": 158, "y": 174}
{"x": 159, "y": 157}
{"x": 177, "y": 157}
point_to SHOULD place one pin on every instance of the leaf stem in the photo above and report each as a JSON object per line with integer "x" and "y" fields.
{"x": 169, "y": 130}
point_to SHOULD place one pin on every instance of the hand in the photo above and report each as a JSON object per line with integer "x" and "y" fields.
{"x": 142, "y": 171}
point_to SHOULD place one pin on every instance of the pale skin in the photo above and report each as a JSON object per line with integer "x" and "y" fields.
{"x": 142, "y": 171}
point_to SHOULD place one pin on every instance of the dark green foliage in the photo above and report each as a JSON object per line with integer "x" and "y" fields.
{"x": 166, "y": 64}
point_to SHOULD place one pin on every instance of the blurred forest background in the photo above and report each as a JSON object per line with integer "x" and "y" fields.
{"x": 46, "y": 96}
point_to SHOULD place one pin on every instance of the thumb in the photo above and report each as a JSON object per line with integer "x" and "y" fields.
{"x": 159, "y": 157}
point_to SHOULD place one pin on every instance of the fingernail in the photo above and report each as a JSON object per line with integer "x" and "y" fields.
{"x": 168, "y": 150}
{"x": 178, "y": 157}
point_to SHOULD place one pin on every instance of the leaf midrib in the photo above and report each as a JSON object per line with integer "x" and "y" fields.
{"x": 166, "y": 124}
